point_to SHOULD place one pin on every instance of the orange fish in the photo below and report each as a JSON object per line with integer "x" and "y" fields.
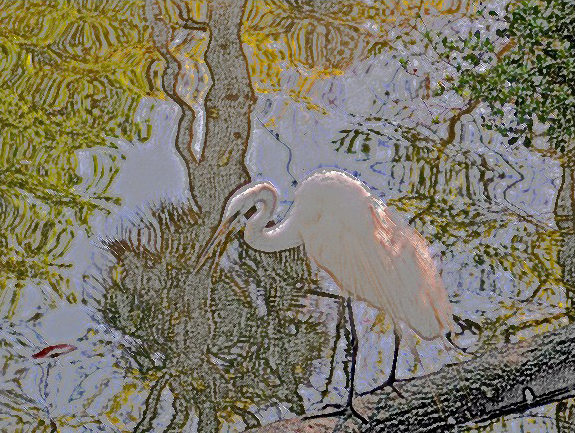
{"x": 54, "y": 351}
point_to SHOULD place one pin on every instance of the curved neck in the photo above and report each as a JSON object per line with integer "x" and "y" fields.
{"x": 279, "y": 237}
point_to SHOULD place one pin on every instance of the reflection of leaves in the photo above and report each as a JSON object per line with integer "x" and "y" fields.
{"x": 451, "y": 192}
{"x": 296, "y": 33}
{"x": 321, "y": 40}
{"x": 378, "y": 48}
{"x": 354, "y": 140}
{"x": 237, "y": 339}
{"x": 525, "y": 80}
{"x": 450, "y": 189}
{"x": 65, "y": 87}
{"x": 520, "y": 72}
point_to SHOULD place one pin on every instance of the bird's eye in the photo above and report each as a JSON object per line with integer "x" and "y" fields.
{"x": 251, "y": 211}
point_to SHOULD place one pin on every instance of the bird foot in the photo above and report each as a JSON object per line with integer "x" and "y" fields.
{"x": 389, "y": 382}
{"x": 346, "y": 411}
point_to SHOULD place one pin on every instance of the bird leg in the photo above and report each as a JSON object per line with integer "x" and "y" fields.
{"x": 354, "y": 348}
{"x": 348, "y": 409}
{"x": 340, "y": 319}
{"x": 391, "y": 378}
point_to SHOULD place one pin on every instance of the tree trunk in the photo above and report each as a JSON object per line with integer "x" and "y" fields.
{"x": 228, "y": 108}
{"x": 215, "y": 169}
{"x": 228, "y": 104}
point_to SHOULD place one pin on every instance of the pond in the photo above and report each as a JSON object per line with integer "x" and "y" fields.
{"x": 126, "y": 127}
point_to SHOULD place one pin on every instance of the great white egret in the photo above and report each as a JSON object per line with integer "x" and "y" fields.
{"x": 370, "y": 253}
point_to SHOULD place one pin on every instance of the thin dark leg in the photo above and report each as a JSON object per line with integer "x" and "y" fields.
{"x": 339, "y": 324}
{"x": 465, "y": 325}
{"x": 348, "y": 409}
{"x": 391, "y": 378}
{"x": 354, "y": 348}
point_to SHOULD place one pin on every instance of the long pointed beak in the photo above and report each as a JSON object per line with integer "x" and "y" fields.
{"x": 215, "y": 242}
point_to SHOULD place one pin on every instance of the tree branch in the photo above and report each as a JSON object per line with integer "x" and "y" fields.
{"x": 513, "y": 379}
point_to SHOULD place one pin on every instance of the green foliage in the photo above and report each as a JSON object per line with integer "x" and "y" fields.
{"x": 72, "y": 75}
{"x": 536, "y": 76}
{"x": 237, "y": 338}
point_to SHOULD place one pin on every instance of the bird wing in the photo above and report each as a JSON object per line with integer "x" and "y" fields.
{"x": 426, "y": 308}
{"x": 383, "y": 261}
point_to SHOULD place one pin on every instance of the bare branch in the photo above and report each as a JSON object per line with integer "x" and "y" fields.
{"x": 512, "y": 379}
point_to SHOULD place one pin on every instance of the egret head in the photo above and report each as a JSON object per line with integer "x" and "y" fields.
{"x": 239, "y": 204}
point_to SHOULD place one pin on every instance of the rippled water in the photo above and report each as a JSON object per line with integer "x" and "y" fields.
{"x": 99, "y": 229}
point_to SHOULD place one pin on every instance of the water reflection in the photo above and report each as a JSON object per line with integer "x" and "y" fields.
{"x": 330, "y": 95}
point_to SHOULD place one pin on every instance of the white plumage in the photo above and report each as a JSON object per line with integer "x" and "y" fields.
{"x": 367, "y": 249}
{"x": 370, "y": 252}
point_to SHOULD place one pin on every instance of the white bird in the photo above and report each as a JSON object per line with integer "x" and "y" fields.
{"x": 371, "y": 254}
